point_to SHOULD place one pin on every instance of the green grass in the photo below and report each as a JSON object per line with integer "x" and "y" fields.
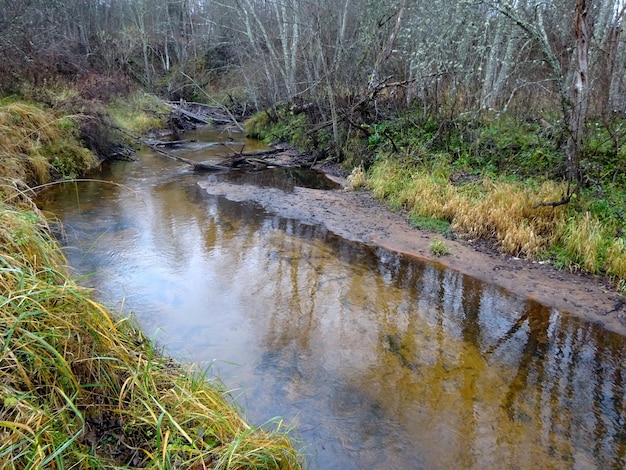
{"x": 438, "y": 248}
{"x": 138, "y": 113}
{"x": 430, "y": 224}
{"x": 80, "y": 387}
{"x": 79, "y": 384}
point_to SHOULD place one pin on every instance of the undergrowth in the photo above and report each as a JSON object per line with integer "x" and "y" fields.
{"x": 482, "y": 177}
{"x": 138, "y": 113}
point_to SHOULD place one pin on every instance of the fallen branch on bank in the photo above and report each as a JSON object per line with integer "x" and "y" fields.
{"x": 566, "y": 199}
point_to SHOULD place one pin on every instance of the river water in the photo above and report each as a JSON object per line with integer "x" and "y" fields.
{"x": 377, "y": 361}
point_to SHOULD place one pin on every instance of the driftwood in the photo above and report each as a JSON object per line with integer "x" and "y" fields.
{"x": 247, "y": 159}
{"x": 167, "y": 143}
{"x": 237, "y": 160}
{"x": 200, "y": 113}
{"x": 194, "y": 117}
{"x": 198, "y": 166}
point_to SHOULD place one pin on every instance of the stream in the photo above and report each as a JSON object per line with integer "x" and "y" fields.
{"x": 375, "y": 360}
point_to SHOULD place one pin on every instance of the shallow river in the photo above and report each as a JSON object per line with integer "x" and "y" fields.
{"x": 376, "y": 360}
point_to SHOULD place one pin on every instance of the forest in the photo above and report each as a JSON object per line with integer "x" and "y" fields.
{"x": 555, "y": 62}
{"x": 470, "y": 90}
{"x": 495, "y": 120}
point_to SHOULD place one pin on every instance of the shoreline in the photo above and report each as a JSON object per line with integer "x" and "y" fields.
{"x": 358, "y": 216}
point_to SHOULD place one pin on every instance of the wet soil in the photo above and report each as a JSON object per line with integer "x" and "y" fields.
{"x": 358, "y": 216}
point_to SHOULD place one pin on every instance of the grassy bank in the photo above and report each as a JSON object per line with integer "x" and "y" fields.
{"x": 489, "y": 178}
{"x": 80, "y": 387}
{"x": 506, "y": 212}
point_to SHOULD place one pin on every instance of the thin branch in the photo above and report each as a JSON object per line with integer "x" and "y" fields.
{"x": 224, "y": 108}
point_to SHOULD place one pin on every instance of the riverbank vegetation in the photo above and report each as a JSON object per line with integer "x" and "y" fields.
{"x": 80, "y": 387}
{"x": 471, "y": 185}
{"x": 492, "y": 120}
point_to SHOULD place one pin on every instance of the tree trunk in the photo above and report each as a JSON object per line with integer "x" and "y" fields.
{"x": 374, "y": 80}
{"x": 579, "y": 91}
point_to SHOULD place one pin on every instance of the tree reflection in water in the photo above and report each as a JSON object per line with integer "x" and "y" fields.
{"x": 379, "y": 360}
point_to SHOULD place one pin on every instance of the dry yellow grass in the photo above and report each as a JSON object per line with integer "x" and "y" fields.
{"x": 584, "y": 242}
{"x": 357, "y": 179}
{"x": 500, "y": 211}
{"x": 33, "y": 140}
{"x": 616, "y": 259}
{"x": 24, "y": 129}
{"x": 506, "y": 213}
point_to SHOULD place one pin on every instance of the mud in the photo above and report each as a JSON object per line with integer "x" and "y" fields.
{"x": 357, "y": 216}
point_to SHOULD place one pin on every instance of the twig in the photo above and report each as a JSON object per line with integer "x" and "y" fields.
{"x": 566, "y": 199}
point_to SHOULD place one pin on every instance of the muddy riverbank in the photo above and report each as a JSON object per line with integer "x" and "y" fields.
{"x": 357, "y": 216}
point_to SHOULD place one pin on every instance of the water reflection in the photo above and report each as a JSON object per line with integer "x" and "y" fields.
{"x": 379, "y": 361}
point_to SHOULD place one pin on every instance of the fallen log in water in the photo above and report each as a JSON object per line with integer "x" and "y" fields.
{"x": 238, "y": 160}
{"x": 193, "y": 116}
{"x": 166, "y": 143}
{"x": 198, "y": 166}
{"x": 202, "y": 113}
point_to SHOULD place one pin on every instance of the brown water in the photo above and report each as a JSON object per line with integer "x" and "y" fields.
{"x": 378, "y": 361}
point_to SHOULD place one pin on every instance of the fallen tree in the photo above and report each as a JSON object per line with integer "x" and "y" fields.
{"x": 237, "y": 160}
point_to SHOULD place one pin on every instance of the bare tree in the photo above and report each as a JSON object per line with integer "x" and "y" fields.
{"x": 576, "y": 116}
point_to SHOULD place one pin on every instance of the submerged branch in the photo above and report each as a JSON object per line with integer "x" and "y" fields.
{"x": 198, "y": 166}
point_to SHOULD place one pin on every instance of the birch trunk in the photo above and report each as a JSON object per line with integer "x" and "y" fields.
{"x": 580, "y": 93}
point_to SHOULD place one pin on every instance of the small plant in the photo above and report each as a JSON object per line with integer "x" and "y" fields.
{"x": 438, "y": 247}
{"x": 357, "y": 179}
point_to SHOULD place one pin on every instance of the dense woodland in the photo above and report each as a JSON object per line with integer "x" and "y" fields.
{"x": 471, "y": 92}
{"x": 559, "y": 62}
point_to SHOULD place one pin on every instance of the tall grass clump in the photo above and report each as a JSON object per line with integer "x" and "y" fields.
{"x": 590, "y": 245}
{"x": 507, "y": 213}
{"x": 37, "y": 145}
{"x": 616, "y": 261}
{"x": 82, "y": 389}
{"x": 138, "y": 113}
